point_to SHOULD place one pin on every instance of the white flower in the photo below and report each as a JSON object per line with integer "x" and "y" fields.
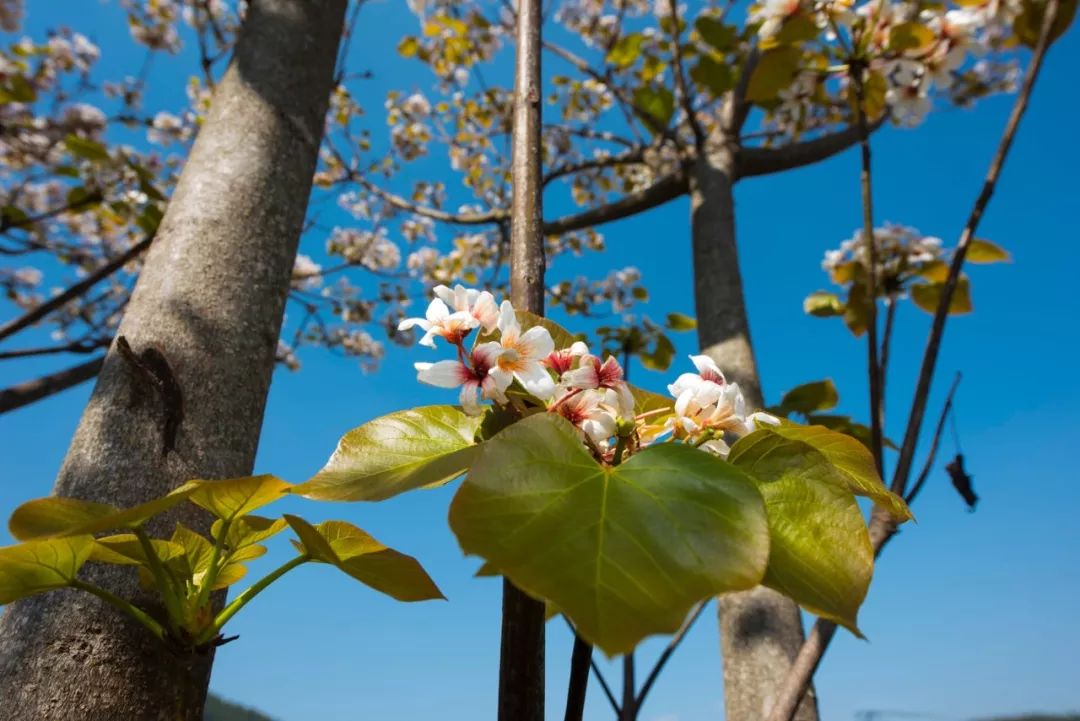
{"x": 521, "y": 355}
{"x": 439, "y": 321}
{"x": 476, "y": 376}
{"x": 592, "y": 374}
{"x": 305, "y": 273}
{"x": 708, "y": 372}
{"x": 595, "y": 412}
{"x": 479, "y": 304}
{"x": 562, "y": 360}
{"x": 773, "y": 13}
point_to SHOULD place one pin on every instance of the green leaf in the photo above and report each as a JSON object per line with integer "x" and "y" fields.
{"x": 720, "y": 36}
{"x": 624, "y": 552}
{"x": 658, "y": 103}
{"x": 810, "y": 397}
{"x": 820, "y": 553}
{"x": 626, "y": 51}
{"x": 85, "y": 148}
{"x": 928, "y": 295}
{"x": 775, "y": 70}
{"x": 17, "y": 89}
{"x": 38, "y": 566}
{"x": 680, "y": 322}
{"x": 659, "y": 406}
{"x": 716, "y": 76}
{"x": 1028, "y": 25}
{"x": 55, "y": 516}
{"x": 851, "y": 459}
{"x": 983, "y": 251}
{"x": 408, "y": 47}
{"x": 197, "y": 550}
{"x": 823, "y": 304}
{"x": 798, "y": 28}
{"x": 844, "y": 424}
{"x": 246, "y": 531}
{"x": 359, "y": 555}
{"x": 935, "y": 271}
{"x": 562, "y": 337}
{"x": 418, "y": 448}
{"x": 125, "y": 549}
{"x": 910, "y": 36}
{"x": 661, "y": 356}
{"x": 857, "y": 309}
{"x": 235, "y": 497}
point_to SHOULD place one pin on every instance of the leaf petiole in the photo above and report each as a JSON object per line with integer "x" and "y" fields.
{"x": 244, "y": 598}
{"x": 124, "y": 606}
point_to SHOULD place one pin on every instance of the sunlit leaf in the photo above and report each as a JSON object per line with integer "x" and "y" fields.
{"x": 844, "y": 424}
{"x": 359, "y": 555}
{"x": 681, "y": 322}
{"x": 55, "y": 516}
{"x": 86, "y": 148}
{"x": 626, "y": 51}
{"x": 624, "y": 552}
{"x": 246, "y": 531}
{"x": 125, "y": 549}
{"x": 928, "y": 295}
{"x": 416, "y": 448}
{"x": 659, "y": 359}
{"x": 909, "y": 36}
{"x": 851, "y": 459}
{"x": 197, "y": 550}
{"x": 820, "y": 553}
{"x": 810, "y": 397}
{"x": 983, "y": 251}
{"x": 235, "y": 497}
{"x": 1028, "y": 24}
{"x": 43, "y": 565}
{"x": 659, "y": 105}
{"x": 775, "y": 70}
{"x": 823, "y": 304}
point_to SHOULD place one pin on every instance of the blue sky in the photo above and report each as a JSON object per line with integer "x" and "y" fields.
{"x": 970, "y": 614}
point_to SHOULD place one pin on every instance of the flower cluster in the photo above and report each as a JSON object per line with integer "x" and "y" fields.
{"x": 521, "y": 368}
{"x": 902, "y": 253}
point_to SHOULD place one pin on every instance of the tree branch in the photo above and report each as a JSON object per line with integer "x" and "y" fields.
{"x": 34, "y": 315}
{"x": 667, "y": 188}
{"x": 443, "y": 216}
{"x": 764, "y": 161}
{"x": 580, "y": 660}
{"x": 929, "y": 465}
{"x": 630, "y": 157}
{"x": 26, "y": 393}
{"x": 882, "y": 527}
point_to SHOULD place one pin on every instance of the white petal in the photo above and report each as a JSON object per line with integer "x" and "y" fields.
{"x": 444, "y": 374}
{"x": 444, "y": 294}
{"x": 467, "y": 398}
{"x": 507, "y": 322}
{"x": 413, "y": 322}
{"x": 536, "y": 380}
{"x": 685, "y": 382}
{"x": 437, "y": 311}
{"x": 705, "y": 364}
{"x": 537, "y": 343}
{"x": 502, "y": 378}
{"x": 578, "y": 348}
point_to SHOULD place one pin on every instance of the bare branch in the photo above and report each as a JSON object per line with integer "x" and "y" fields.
{"x": 34, "y": 315}
{"x": 680, "y": 78}
{"x": 763, "y": 161}
{"x": 630, "y": 157}
{"x": 397, "y": 201}
{"x": 929, "y": 465}
{"x": 667, "y": 188}
{"x": 80, "y": 346}
{"x": 26, "y": 393}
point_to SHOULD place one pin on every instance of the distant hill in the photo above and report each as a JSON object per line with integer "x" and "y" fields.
{"x": 218, "y": 709}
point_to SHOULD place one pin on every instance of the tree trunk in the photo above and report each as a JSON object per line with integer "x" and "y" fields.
{"x": 761, "y": 630}
{"x": 210, "y": 299}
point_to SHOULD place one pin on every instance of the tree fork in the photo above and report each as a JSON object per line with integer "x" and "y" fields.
{"x": 210, "y": 297}
{"x": 521, "y": 663}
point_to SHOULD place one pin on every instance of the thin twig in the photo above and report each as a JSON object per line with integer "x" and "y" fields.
{"x": 34, "y": 315}
{"x": 673, "y": 644}
{"x": 877, "y": 416}
{"x": 606, "y": 687}
{"x": 680, "y": 78}
{"x": 882, "y": 527}
{"x": 946, "y": 411}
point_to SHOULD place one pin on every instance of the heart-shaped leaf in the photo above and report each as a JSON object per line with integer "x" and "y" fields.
{"x": 820, "y": 553}
{"x": 43, "y": 565}
{"x": 359, "y": 555}
{"x": 125, "y": 549}
{"x": 624, "y": 552}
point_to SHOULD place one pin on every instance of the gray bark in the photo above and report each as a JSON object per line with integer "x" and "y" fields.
{"x": 210, "y": 298}
{"x": 761, "y": 630}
